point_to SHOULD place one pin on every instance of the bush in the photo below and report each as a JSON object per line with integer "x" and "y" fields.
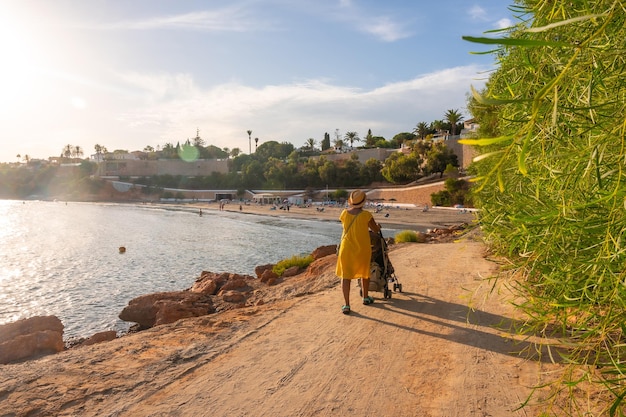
{"x": 300, "y": 261}
{"x": 409, "y": 236}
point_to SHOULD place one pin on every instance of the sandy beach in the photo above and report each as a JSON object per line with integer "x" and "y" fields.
{"x": 441, "y": 347}
{"x": 392, "y": 217}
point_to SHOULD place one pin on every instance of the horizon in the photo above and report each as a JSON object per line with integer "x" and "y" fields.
{"x": 145, "y": 73}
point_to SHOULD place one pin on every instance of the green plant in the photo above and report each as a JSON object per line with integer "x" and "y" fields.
{"x": 552, "y": 180}
{"x": 409, "y": 236}
{"x": 299, "y": 261}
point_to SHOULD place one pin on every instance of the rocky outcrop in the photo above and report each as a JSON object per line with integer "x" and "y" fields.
{"x": 324, "y": 251}
{"x": 30, "y": 338}
{"x": 99, "y": 338}
{"x": 166, "y": 307}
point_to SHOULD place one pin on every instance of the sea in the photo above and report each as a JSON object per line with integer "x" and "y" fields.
{"x": 63, "y": 258}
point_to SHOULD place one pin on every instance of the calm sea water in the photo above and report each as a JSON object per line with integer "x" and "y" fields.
{"x": 63, "y": 259}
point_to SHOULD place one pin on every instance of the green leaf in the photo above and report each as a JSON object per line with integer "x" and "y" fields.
{"x": 564, "y": 22}
{"x": 517, "y": 42}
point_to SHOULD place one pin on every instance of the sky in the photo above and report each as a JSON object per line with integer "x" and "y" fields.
{"x": 127, "y": 74}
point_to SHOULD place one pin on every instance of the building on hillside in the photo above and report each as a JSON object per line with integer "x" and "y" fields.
{"x": 146, "y": 168}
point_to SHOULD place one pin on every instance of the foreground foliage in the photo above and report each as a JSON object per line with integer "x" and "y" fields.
{"x": 300, "y": 261}
{"x": 552, "y": 179}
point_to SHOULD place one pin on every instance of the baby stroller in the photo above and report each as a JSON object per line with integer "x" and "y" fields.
{"x": 381, "y": 270}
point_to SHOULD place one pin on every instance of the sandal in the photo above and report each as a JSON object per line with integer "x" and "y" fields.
{"x": 345, "y": 309}
{"x": 368, "y": 300}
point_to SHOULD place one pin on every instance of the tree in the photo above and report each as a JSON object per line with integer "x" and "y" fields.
{"x": 369, "y": 139}
{"x": 437, "y": 126}
{"x": 438, "y": 159}
{"x": 453, "y": 117}
{"x": 67, "y": 151}
{"x": 421, "y": 130}
{"x": 198, "y": 142}
{"x": 400, "y": 168}
{"x": 352, "y": 137}
{"x": 310, "y": 143}
{"x": 325, "y": 142}
{"x": 169, "y": 151}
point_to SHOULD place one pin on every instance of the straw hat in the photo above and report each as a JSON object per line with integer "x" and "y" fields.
{"x": 357, "y": 199}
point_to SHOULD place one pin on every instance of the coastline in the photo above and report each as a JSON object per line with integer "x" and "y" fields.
{"x": 397, "y": 218}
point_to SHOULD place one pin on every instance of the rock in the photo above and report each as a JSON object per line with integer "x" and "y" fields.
{"x": 260, "y": 270}
{"x": 166, "y": 307}
{"x": 100, "y": 337}
{"x": 32, "y": 337}
{"x": 291, "y": 271}
{"x": 205, "y": 286}
{"x": 324, "y": 251}
{"x": 233, "y": 296}
{"x": 235, "y": 283}
{"x": 267, "y": 275}
{"x": 209, "y": 282}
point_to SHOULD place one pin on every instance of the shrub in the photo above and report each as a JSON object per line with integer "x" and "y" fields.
{"x": 409, "y": 236}
{"x": 300, "y": 261}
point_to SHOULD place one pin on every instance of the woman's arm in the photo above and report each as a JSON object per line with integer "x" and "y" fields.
{"x": 374, "y": 227}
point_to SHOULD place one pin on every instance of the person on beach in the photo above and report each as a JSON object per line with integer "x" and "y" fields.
{"x": 355, "y": 253}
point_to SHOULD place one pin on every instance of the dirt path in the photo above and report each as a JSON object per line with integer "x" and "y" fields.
{"x": 422, "y": 353}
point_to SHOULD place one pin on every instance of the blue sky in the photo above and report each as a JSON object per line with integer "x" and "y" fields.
{"x": 130, "y": 73}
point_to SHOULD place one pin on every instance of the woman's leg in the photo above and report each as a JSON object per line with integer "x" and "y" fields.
{"x": 345, "y": 288}
{"x": 365, "y": 285}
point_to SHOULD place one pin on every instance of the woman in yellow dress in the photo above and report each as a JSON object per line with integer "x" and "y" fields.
{"x": 355, "y": 252}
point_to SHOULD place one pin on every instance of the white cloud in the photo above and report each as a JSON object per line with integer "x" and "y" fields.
{"x": 477, "y": 13}
{"x": 386, "y": 29}
{"x": 295, "y": 112}
{"x": 232, "y": 19}
{"x": 504, "y": 23}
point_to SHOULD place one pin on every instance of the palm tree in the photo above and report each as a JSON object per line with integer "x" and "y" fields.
{"x": 250, "y": 141}
{"x": 453, "y": 117}
{"x": 310, "y": 143}
{"x": 78, "y": 151}
{"x": 421, "y": 130}
{"x": 352, "y": 137}
{"x": 67, "y": 151}
{"x": 437, "y": 126}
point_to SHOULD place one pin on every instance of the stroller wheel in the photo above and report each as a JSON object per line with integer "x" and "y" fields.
{"x": 400, "y": 287}
{"x": 395, "y": 287}
{"x": 387, "y": 293}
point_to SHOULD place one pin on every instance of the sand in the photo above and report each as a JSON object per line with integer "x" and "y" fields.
{"x": 392, "y": 217}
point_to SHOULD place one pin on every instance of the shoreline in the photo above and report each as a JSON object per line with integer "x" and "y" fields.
{"x": 396, "y": 218}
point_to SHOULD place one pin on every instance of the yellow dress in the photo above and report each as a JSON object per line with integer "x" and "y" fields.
{"x": 355, "y": 252}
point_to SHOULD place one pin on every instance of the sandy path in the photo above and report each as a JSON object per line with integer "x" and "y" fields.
{"x": 422, "y": 353}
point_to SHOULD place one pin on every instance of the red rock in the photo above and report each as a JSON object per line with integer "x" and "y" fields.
{"x": 99, "y": 338}
{"x": 30, "y": 338}
{"x": 267, "y": 275}
{"x": 166, "y": 307}
{"x": 324, "y": 251}
{"x": 260, "y": 270}
{"x": 233, "y": 296}
{"x": 291, "y": 271}
{"x": 235, "y": 283}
